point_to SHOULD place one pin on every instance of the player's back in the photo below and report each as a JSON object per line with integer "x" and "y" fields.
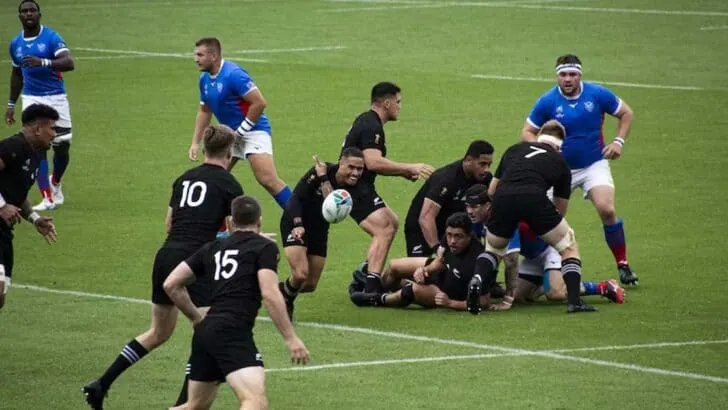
{"x": 39, "y": 81}
{"x": 367, "y": 132}
{"x": 233, "y": 264}
{"x": 200, "y": 201}
{"x": 533, "y": 167}
{"x": 21, "y": 164}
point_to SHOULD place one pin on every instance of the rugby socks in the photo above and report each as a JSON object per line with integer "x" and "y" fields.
{"x": 289, "y": 291}
{"x": 614, "y": 234}
{"x": 571, "y": 272}
{"x": 486, "y": 266}
{"x": 130, "y": 354}
{"x": 182, "y": 398}
{"x": 373, "y": 283}
{"x": 283, "y": 196}
{"x": 61, "y": 158}
{"x": 43, "y": 183}
{"x": 592, "y": 288}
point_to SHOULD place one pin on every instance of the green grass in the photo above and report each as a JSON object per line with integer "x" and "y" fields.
{"x": 133, "y": 118}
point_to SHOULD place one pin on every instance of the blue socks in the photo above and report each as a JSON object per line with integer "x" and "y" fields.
{"x": 283, "y": 196}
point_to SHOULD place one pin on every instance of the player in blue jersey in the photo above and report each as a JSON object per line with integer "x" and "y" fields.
{"x": 39, "y": 55}
{"x": 539, "y": 273}
{"x": 580, "y": 107}
{"x": 228, "y": 92}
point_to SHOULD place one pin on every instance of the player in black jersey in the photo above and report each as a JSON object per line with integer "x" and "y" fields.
{"x": 304, "y": 230}
{"x": 200, "y": 202}
{"x": 18, "y": 171}
{"x": 442, "y": 195}
{"x": 524, "y": 176}
{"x": 367, "y": 134}
{"x": 243, "y": 271}
{"x": 436, "y": 282}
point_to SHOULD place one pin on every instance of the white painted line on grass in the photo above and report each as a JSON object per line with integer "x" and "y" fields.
{"x": 290, "y": 50}
{"x": 452, "y": 342}
{"x": 119, "y": 57}
{"x": 507, "y": 5}
{"x": 709, "y": 28}
{"x": 617, "y": 83}
{"x": 156, "y": 54}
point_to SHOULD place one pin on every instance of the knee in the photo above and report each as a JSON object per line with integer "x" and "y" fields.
{"x": 300, "y": 273}
{"x": 556, "y": 295}
{"x": 267, "y": 177}
{"x": 391, "y": 225}
{"x": 159, "y": 335}
{"x": 258, "y": 401}
{"x": 607, "y": 212}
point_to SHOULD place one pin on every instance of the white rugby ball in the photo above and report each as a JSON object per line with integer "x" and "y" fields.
{"x": 337, "y": 206}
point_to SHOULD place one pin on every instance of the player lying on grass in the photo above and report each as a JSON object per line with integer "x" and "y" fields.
{"x": 430, "y": 282}
{"x": 539, "y": 274}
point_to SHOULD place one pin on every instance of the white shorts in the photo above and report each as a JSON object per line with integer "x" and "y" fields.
{"x": 546, "y": 261}
{"x": 596, "y": 174}
{"x": 4, "y": 279}
{"x": 60, "y": 103}
{"x": 253, "y": 142}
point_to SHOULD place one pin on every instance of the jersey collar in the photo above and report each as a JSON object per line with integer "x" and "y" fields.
{"x": 222, "y": 63}
{"x": 576, "y": 97}
{"x": 22, "y": 34}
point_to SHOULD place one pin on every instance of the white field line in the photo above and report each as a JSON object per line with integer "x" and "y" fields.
{"x": 290, "y": 50}
{"x": 617, "y": 83}
{"x": 119, "y": 57}
{"x": 506, "y": 5}
{"x": 710, "y": 28}
{"x": 155, "y": 54}
{"x": 452, "y": 342}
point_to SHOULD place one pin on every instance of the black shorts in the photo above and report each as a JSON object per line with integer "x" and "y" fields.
{"x": 535, "y": 209}
{"x": 219, "y": 349}
{"x": 416, "y": 244}
{"x": 6, "y": 251}
{"x": 315, "y": 237}
{"x": 164, "y": 263}
{"x": 366, "y": 201}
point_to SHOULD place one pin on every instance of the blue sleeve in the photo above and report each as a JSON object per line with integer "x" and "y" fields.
{"x": 608, "y": 101}
{"x": 514, "y": 245}
{"x": 203, "y": 100}
{"x": 13, "y": 60}
{"x": 58, "y": 45}
{"x": 242, "y": 83}
{"x": 540, "y": 113}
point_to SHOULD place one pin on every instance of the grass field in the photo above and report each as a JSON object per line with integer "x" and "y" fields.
{"x": 468, "y": 70}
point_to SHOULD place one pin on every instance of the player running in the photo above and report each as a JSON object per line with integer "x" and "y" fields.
{"x": 18, "y": 169}
{"x": 305, "y": 231}
{"x": 39, "y": 55}
{"x": 524, "y": 176}
{"x": 580, "y": 107}
{"x": 375, "y": 217}
{"x": 200, "y": 202}
{"x": 228, "y": 92}
{"x": 442, "y": 195}
{"x": 243, "y": 271}
{"x": 441, "y": 281}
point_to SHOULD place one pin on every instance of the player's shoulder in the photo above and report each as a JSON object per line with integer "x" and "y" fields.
{"x": 590, "y": 88}
{"x": 448, "y": 172}
{"x": 552, "y": 94}
{"x": 368, "y": 118}
{"x": 48, "y": 31}
{"x": 17, "y": 39}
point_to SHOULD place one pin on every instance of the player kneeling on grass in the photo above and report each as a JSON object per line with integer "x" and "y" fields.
{"x": 303, "y": 227}
{"x": 243, "y": 271}
{"x": 443, "y": 282}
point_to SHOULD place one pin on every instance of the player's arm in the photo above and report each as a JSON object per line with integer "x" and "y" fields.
{"x": 168, "y": 220}
{"x": 378, "y": 164}
{"x": 493, "y": 186}
{"x": 442, "y": 300}
{"x": 63, "y": 61}
{"x": 43, "y": 224}
{"x": 427, "y": 221}
{"x": 175, "y": 286}
{"x": 202, "y": 121}
{"x": 624, "y": 125}
{"x": 562, "y": 190}
{"x": 539, "y": 114}
{"x": 16, "y": 84}
{"x": 305, "y": 188}
{"x": 256, "y": 105}
{"x": 529, "y": 131}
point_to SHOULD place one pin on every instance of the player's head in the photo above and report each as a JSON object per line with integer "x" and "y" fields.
{"x": 245, "y": 214}
{"x": 208, "y": 53}
{"x": 39, "y": 122}
{"x": 458, "y": 232}
{"x": 29, "y": 14}
{"x": 477, "y": 203}
{"x": 387, "y": 97}
{"x": 568, "y": 71}
{"x": 217, "y": 142}
{"x": 478, "y": 159}
{"x": 553, "y": 133}
{"x": 351, "y": 166}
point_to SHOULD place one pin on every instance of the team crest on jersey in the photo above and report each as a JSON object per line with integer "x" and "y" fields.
{"x": 376, "y": 138}
{"x": 444, "y": 191}
{"x": 589, "y": 106}
{"x": 219, "y": 87}
{"x": 559, "y": 112}
{"x": 42, "y": 47}
{"x": 19, "y": 53}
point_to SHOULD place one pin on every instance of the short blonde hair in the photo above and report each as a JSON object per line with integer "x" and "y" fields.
{"x": 553, "y": 128}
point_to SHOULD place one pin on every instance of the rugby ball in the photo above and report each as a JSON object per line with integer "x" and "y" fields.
{"x": 337, "y": 206}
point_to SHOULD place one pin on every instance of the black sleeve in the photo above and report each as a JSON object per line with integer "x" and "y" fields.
{"x": 6, "y": 152}
{"x": 305, "y": 188}
{"x": 439, "y": 191}
{"x": 371, "y": 138}
{"x": 196, "y": 262}
{"x": 269, "y": 256}
{"x": 562, "y": 189}
{"x": 175, "y": 198}
{"x": 504, "y": 163}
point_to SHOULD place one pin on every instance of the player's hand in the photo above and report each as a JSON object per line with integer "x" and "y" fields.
{"x": 420, "y": 171}
{"x": 298, "y": 233}
{"x": 32, "y": 61}
{"x": 441, "y": 299}
{"x": 10, "y": 214}
{"x": 10, "y": 116}
{"x": 192, "y": 152}
{"x": 299, "y": 353}
{"x": 612, "y": 151}
{"x": 44, "y": 225}
{"x": 506, "y": 304}
{"x": 319, "y": 166}
{"x": 420, "y": 275}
